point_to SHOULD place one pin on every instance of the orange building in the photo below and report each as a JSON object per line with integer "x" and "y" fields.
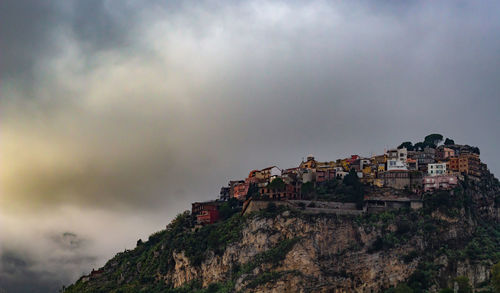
{"x": 412, "y": 164}
{"x": 453, "y": 164}
{"x": 469, "y": 164}
{"x": 231, "y": 186}
{"x": 255, "y": 176}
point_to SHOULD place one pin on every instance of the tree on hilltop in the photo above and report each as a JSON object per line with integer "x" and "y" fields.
{"x": 449, "y": 141}
{"x": 433, "y": 140}
{"x": 407, "y": 144}
{"x": 419, "y": 146}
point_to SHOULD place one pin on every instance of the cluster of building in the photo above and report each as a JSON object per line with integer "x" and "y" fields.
{"x": 416, "y": 171}
{"x": 430, "y": 168}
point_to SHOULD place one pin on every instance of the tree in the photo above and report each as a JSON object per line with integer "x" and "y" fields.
{"x": 449, "y": 141}
{"x": 463, "y": 284}
{"x": 356, "y": 189}
{"x": 306, "y": 189}
{"x": 352, "y": 178}
{"x": 253, "y": 191}
{"x": 225, "y": 211}
{"x": 419, "y": 146}
{"x": 277, "y": 184}
{"x": 495, "y": 277}
{"x": 446, "y": 290}
{"x": 433, "y": 139}
{"x": 407, "y": 144}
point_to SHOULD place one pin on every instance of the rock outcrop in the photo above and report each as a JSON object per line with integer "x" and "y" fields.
{"x": 281, "y": 249}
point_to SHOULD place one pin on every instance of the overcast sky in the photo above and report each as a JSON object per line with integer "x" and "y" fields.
{"x": 116, "y": 115}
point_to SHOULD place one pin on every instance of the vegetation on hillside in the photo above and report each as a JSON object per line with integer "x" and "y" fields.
{"x": 481, "y": 244}
{"x": 349, "y": 189}
{"x": 138, "y": 270}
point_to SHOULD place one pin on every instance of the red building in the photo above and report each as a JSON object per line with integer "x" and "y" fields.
{"x": 352, "y": 159}
{"x": 206, "y": 212}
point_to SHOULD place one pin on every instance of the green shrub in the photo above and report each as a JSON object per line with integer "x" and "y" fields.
{"x": 495, "y": 277}
{"x": 463, "y": 284}
{"x": 423, "y": 276}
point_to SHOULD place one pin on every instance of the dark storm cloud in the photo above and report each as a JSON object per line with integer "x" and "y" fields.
{"x": 101, "y": 26}
{"x": 28, "y": 28}
{"x": 138, "y": 109}
{"x": 24, "y": 29}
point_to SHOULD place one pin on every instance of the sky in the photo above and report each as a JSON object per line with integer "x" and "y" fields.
{"x": 116, "y": 115}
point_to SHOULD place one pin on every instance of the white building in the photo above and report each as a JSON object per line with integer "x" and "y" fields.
{"x": 436, "y": 169}
{"x": 398, "y": 154}
{"x": 363, "y": 162}
{"x": 308, "y": 175}
{"x": 341, "y": 174}
{"x": 392, "y": 154}
{"x": 395, "y": 164}
{"x": 402, "y": 154}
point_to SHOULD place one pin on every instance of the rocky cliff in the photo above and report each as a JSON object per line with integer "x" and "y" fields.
{"x": 280, "y": 249}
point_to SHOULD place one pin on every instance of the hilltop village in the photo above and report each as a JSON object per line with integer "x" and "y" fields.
{"x": 419, "y": 215}
{"x": 397, "y": 178}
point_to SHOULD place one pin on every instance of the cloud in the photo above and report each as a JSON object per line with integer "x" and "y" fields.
{"x": 23, "y": 270}
{"x": 116, "y": 115}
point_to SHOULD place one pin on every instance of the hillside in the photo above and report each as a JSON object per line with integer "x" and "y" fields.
{"x": 285, "y": 249}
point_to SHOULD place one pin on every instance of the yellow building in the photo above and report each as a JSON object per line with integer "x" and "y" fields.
{"x": 378, "y": 182}
{"x": 345, "y": 164}
{"x": 380, "y": 159}
{"x": 309, "y": 164}
{"x": 326, "y": 165}
{"x": 367, "y": 170}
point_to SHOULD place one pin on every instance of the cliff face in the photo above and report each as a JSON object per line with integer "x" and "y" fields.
{"x": 329, "y": 253}
{"x": 284, "y": 250}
